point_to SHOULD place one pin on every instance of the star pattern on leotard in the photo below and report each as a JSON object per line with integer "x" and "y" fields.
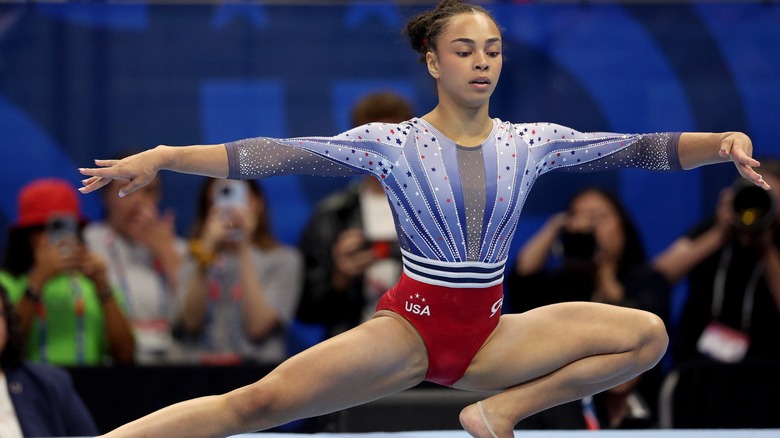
{"x": 422, "y": 176}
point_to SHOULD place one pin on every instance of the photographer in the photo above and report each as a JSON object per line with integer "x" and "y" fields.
{"x": 597, "y": 255}
{"x": 732, "y": 265}
{"x": 592, "y": 252}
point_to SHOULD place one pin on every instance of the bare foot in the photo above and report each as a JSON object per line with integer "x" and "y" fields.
{"x": 475, "y": 421}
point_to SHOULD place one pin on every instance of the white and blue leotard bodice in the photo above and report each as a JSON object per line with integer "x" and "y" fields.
{"x": 455, "y": 208}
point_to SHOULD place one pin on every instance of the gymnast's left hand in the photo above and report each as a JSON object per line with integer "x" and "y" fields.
{"x": 138, "y": 170}
{"x": 739, "y": 148}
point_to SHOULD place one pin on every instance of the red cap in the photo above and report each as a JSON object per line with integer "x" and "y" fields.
{"x": 44, "y": 198}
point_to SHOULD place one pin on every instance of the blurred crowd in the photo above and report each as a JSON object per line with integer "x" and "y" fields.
{"x": 128, "y": 290}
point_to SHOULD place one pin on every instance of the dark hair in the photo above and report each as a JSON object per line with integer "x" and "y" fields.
{"x": 633, "y": 249}
{"x": 381, "y": 106}
{"x": 424, "y": 29}
{"x": 12, "y": 353}
{"x": 262, "y": 235}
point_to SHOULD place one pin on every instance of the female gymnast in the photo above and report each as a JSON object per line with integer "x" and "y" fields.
{"x": 456, "y": 180}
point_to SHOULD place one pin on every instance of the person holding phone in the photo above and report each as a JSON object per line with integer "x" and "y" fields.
{"x": 69, "y": 313}
{"x": 241, "y": 286}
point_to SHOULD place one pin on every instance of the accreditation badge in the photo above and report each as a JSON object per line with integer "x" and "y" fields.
{"x": 723, "y": 343}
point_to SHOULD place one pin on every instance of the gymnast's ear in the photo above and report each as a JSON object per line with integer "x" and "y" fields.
{"x": 432, "y": 61}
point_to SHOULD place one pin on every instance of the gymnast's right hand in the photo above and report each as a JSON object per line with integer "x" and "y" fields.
{"x": 138, "y": 170}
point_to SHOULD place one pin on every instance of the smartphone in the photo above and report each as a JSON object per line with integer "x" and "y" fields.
{"x": 61, "y": 227}
{"x": 230, "y": 194}
{"x": 62, "y": 232}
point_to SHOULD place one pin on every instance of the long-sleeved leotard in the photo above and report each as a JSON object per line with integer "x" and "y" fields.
{"x": 455, "y": 208}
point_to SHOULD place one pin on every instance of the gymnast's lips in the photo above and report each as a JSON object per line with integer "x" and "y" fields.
{"x": 480, "y": 80}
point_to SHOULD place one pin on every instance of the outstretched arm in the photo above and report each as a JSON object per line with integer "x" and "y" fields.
{"x": 699, "y": 148}
{"x": 140, "y": 169}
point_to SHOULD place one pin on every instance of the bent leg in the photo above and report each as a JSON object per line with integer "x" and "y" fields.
{"x": 380, "y": 357}
{"x": 556, "y": 354}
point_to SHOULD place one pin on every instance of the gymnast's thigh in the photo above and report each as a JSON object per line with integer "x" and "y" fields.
{"x": 532, "y": 344}
{"x": 380, "y": 357}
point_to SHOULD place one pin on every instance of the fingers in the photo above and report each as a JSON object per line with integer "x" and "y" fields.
{"x": 130, "y": 187}
{"x": 93, "y": 183}
{"x": 742, "y": 157}
{"x": 756, "y": 178}
{"x": 109, "y": 170}
{"x": 739, "y": 149}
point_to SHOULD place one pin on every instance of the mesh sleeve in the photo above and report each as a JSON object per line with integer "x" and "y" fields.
{"x": 649, "y": 151}
{"x": 262, "y": 157}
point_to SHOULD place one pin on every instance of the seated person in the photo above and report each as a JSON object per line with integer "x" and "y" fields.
{"x": 35, "y": 399}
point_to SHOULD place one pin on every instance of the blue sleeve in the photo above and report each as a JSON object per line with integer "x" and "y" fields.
{"x": 351, "y": 153}
{"x": 558, "y": 147}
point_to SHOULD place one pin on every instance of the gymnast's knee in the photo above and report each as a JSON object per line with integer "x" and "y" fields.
{"x": 654, "y": 339}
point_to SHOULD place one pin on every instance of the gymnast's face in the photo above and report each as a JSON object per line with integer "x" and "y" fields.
{"x": 467, "y": 61}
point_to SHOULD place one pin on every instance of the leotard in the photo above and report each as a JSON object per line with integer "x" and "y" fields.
{"x": 455, "y": 208}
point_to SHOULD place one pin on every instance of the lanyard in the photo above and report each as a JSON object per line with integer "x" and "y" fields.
{"x": 589, "y": 413}
{"x": 217, "y": 281}
{"x": 123, "y": 279}
{"x": 719, "y": 288}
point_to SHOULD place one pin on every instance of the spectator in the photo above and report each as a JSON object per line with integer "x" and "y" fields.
{"x": 144, "y": 257}
{"x": 241, "y": 287}
{"x": 35, "y": 399}
{"x": 732, "y": 266}
{"x": 69, "y": 313}
{"x": 600, "y": 257}
{"x": 350, "y": 245}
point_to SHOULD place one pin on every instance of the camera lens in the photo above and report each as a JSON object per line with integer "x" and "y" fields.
{"x": 754, "y": 208}
{"x": 578, "y": 245}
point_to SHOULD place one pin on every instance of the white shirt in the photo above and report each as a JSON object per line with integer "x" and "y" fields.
{"x": 9, "y": 424}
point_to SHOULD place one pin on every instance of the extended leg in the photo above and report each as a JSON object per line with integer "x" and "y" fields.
{"x": 378, "y": 358}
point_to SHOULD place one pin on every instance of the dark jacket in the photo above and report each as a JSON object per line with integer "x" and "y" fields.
{"x": 46, "y": 403}
{"x": 321, "y": 304}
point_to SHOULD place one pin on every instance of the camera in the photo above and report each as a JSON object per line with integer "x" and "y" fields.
{"x": 754, "y": 208}
{"x": 578, "y": 246}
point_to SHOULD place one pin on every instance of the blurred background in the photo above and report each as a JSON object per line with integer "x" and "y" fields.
{"x": 86, "y": 80}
